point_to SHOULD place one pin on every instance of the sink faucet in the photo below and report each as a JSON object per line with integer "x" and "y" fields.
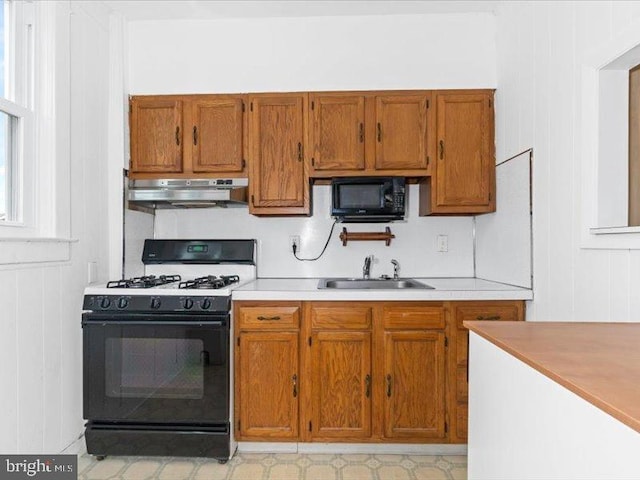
{"x": 366, "y": 269}
{"x": 396, "y": 268}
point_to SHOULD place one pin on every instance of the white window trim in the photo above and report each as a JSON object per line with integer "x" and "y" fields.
{"x": 593, "y": 235}
{"x": 44, "y": 234}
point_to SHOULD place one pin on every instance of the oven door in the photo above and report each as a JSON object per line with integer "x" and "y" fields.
{"x": 156, "y": 368}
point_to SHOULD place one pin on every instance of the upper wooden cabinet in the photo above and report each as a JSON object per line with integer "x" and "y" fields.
{"x": 464, "y": 177}
{"x": 217, "y": 135}
{"x": 371, "y": 133}
{"x": 156, "y": 135}
{"x": 278, "y": 181}
{"x": 401, "y": 132}
{"x": 187, "y": 136}
{"x": 337, "y": 132}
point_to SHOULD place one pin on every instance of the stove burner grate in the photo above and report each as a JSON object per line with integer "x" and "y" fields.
{"x": 210, "y": 281}
{"x": 147, "y": 281}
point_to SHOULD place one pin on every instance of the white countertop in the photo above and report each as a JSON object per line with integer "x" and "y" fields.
{"x": 444, "y": 289}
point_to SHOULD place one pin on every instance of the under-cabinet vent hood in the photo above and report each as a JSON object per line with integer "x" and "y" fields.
{"x": 188, "y": 193}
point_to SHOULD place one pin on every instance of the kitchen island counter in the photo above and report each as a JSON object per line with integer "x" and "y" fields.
{"x": 551, "y": 400}
{"x": 445, "y": 289}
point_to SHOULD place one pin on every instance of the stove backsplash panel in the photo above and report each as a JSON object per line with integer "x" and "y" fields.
{"x": 414, "y": 246}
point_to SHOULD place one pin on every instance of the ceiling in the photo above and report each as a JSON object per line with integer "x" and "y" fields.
{"x": 215, "y": 9}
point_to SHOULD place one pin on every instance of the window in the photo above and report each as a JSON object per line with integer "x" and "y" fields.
{"x": 634, "y": 146}
{"x": 16, "y": 114}
{"x": 609, "y": 166}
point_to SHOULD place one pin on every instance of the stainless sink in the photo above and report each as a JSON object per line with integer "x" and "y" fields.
{"x": 371, "y": 284}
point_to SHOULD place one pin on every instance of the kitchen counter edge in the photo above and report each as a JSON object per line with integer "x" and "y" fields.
{"x": 446, "y": 289}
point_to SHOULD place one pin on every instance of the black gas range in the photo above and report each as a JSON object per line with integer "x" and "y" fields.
{"x": 157, "y": 352}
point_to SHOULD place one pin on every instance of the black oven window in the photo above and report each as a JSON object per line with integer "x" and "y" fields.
{"x": 155, "y": 368}
{"x": 360, "y": 196}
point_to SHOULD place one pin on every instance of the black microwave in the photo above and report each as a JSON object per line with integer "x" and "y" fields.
{"x": 368, "y": 199}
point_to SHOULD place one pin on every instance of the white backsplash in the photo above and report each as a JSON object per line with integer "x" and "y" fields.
{"x": 414, "y": 246}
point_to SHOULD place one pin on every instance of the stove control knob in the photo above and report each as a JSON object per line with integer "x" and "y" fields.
{"x": 187, "y": 303}
{"x": 123, "y": 302}
{"x": 155, "y": 303}
{"x": 105, "y": 302}
{"x": 206, "y": 304}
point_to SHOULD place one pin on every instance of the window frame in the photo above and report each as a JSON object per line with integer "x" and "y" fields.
{"x": 599, "y": 68}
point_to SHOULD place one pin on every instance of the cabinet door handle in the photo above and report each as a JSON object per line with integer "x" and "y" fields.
{"x": 300, "y": 155}
{"x": 177, "y": 135}
{"x": 276, "y": 317}
{"x": 379, "y": 132}
{"x": 195, "y": 135}
{"x": 492, "y": 317}
{"x": 295, "y": 385}
{"x": 388, "y": 385}
{"x": 441, "y": 149}
{"x": 367, "y": 382}
{"x": 361, "y": 132}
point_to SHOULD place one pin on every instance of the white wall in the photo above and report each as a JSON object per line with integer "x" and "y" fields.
{"x": 319, "y": 53}
{"x": 41, "y": 340}
{"x": 540, "y": 46}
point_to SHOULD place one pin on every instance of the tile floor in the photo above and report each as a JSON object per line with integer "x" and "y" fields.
{"x": 263, "y": 466}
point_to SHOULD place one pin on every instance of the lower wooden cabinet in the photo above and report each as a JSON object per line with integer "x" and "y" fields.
{"x": 459, "y": 377}
{"x": 414, "y": 384}
{"x": 267, "y": 371}
{"x": 355, "y": 371}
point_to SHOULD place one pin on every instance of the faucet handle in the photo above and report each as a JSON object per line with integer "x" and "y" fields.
{"x": 396, "y": 268}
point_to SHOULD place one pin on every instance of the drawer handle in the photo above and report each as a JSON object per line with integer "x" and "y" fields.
{"x": 276, "y": 317}
{"x": 379, "y": 132}
{"x": 361, "y": 133}
{"x": 493, "y": 317}
{"x": 295, "y": 385}
{"x": 178, "y": 135}
{"x": 388, "y": 385}
{"x": 367, "y": 382}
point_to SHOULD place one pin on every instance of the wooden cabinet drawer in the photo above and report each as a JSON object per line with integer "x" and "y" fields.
{"x": 409, "y": 317}
{"x": 509, "y": 311}
{"x": 269, "y": 317}
{"x": 348, "y": 316}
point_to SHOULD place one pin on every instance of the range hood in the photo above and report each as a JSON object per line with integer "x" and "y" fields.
{"x": 187, "y": 193}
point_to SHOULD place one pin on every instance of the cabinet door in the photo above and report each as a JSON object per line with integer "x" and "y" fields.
{"x": 156, "y": 135}
{"x": 278, "y": 181}
{"x": 217, "y": 135}
{"x": 414, "y": 384}
{"x": 268, "y": 385}
{"x": 401, "y": 132}
{"x": 337, "y": 132}
{"x": 496, "y": 311}
{"x": 465, "y": 166}
{"x": 341, "y": 384}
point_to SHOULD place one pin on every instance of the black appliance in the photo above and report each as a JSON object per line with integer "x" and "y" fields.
{"x": 368, "y": 199}
{"x": 157, "y": 352}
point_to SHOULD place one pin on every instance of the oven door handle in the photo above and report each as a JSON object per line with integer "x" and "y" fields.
{"x": 155, "y": 323}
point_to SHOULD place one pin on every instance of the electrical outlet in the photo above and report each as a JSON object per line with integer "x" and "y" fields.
{"x": 294, "y": 240}
{"x": 443, "y": 243}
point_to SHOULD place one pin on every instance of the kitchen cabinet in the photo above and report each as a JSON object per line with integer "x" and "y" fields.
{"x": 278, "y": 177}
{"x": 187, "y": 136}
{"x": 458, "y": 371}
{"x": 267, "y": 380}
{"x": 156, "y": 135}
{"x": 354, "y": 371}
{"x": 339, "y": 364}
{"x": 414, "y": 371}
{"x": 464, "y": 178}
{"x": 370, "y": 133}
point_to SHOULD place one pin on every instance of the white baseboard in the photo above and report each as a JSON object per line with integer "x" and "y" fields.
{"x": 78, "y": 447}
{"x": 353, "y": 448}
